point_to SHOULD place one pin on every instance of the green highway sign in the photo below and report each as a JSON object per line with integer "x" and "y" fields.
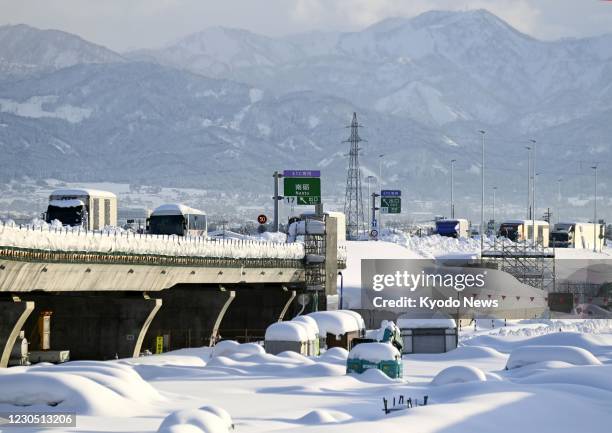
{"x": 390, "y": 205}
{"x": 307, "y": 190}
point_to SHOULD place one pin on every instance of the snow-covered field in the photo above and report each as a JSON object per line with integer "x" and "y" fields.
{"x": 554, "y": 388}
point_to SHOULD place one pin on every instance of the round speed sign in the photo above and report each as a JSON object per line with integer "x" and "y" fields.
{"x": 262, "y": 219}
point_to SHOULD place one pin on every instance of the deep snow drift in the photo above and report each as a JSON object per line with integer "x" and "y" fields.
{"x": 469, "y": 389}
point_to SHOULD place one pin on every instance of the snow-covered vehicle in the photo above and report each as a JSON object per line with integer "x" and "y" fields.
{"x": 379, "y": 356}
{"x": 177, "y": 219}
{"x": 89, "y": 208}
{"x": 522, "y": 230}
{"x": 577, "y": 235}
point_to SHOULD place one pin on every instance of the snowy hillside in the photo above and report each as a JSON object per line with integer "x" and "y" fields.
{"x": 225, "y": 105}
{"x": 27, "y": 50}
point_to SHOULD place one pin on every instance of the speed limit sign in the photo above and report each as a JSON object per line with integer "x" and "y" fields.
{"x": 262, "y": 219}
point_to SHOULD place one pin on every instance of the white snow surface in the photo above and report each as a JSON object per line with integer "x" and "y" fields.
{"x": 289, "y": 331}
{"x": 185, "y": 389}
{"x": 459, "y": 374}
{"x": 374, "y": 352}
{"x": 309, "y": 322}
{"x": 66, "y": 203}
{"x": 58, "y": 239}
{"x": 337, "y": 322}
{"x": 176, "y": 209}
{"x": 527, "y": 355}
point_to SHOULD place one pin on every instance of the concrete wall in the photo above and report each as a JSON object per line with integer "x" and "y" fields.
{"x": 190, "y": 311}
{"x": 92, "y": 325}
{"x": 22, "y": 276}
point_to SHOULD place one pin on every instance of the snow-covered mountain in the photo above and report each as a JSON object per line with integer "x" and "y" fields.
{"x": 27, "y": 50}
{"x": 223, "y": 108}
{"x": 438, "y": 67}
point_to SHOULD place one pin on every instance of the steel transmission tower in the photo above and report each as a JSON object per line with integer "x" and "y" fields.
{"x": 353, "y": 200}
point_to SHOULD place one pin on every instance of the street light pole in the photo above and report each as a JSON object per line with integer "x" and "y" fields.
{"x": 595, "y": 225}
{"x": 452, "y": 186}
{"x": 494, "y": 191}
{"x": 482, "y": 194}
{"x": 528, "y": 181}
{"x": 533, "y": 195}
{"x": 559, "y": 200}
{"x": 380, "y": 161}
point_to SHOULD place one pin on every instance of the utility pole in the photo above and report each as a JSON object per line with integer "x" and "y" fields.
{"x": 276, "y": 199}
{"x": 494, "y": 191}
{"x": 380, "y": 161}
{"x": 528, "y": 181}
{"x": 353, "y": 200}
{"x": 482, "y": 195}
{"x": 596, "y": 225}
{"x": 369, "y": 179}
{"x": 558, "y": 199}
{"x": 533, "y": 195}
{"x": 374, "y": 208}
{"x": 452, "y": 187}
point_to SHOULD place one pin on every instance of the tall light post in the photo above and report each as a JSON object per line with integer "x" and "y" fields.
{"x": 452, "y": 187}
{"x": 380, "y": 162}
{"x": 494, "y": 191}
{"x": 482, "y": 195}
{"x": 528, "y": 181}
{"x": 533, "y": 194}
{"x": 596, "y": 226}
{"x": 559, "y": 200}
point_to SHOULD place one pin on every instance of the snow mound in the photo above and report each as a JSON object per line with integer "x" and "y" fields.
{"x": 288, "y": 331}
{"x": 88, "y": 388}
{"x": 335, "y": 355}
{"x": 374, "y": 375}
{"x": 229, "y": 348}
{"x": 600, "y": 377}
{"x": 308, "y": 321}
{"x": 323, "y": 416}
{"x": 539, "y": 367}
{"x": 225, "y": 347}
{"x": 208, "y": 419}
{"x": 337, "y": 322}
{"x": 468, "y": 352}
{"x": 527, "y": 355}
{"x": 374, "y": 352}
{"x": 119, "y": 378}
{"x": 592, "y": 335}
{"x": 459, "y": 374}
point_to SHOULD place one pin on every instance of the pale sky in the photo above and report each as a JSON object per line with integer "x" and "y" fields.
{"x": 128, "y": 24}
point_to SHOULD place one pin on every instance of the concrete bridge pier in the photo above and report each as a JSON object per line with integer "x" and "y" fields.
{"x": 94, "y": 325}
{"x": 13, "y": 315}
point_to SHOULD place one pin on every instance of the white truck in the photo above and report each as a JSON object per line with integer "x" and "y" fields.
{"x": 578, "y": 235}
{"x": 522, "y": 230}
{"x": 89, "y": 208}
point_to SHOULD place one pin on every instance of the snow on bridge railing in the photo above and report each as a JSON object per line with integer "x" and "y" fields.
{"x": 53, "y": 238}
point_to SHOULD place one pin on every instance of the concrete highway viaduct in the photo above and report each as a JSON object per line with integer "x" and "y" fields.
{"x": 108, "y": 305}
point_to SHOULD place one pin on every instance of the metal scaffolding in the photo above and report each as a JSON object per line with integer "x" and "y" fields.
{"x": 533, "y": 265}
